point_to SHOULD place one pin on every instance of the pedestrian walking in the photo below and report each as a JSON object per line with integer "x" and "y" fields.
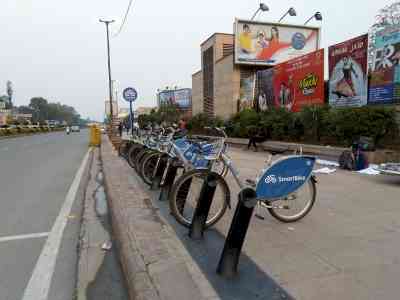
{"x": 256, "y": 135}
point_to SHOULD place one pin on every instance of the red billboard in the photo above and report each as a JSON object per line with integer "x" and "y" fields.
{"x": 348, "y": 72}
{"x": 300, "y": 81}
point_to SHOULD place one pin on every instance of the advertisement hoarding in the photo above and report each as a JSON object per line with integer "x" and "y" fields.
{"x": 300, "y": 81}
{"x": 246, "y": 91}
{"x": 384, "y": 87}
{"x": 181, "y": 97}
{"x": 265, "y": 92}
{"x": 268, "y": 44}
{"x": 348, "y": 80}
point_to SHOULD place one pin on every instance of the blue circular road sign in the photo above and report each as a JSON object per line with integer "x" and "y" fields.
{"x": 130, "y": 94}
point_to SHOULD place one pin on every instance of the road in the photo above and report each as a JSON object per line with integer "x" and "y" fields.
{"x": 36, "y": 173}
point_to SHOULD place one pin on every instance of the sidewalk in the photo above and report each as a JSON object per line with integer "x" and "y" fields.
{"x": 153, "y": 259}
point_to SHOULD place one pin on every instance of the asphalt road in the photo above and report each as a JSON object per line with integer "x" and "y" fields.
{"x": 36, "y": 173}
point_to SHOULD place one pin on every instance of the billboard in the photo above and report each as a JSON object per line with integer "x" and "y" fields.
{"x": 384, "y": 87}
{"x": 265, "y": 91}
{"x": 300, "y": 81}
{"x": 246, "y": 91}
{"x": 269, "y": 44}
{"x": 181, "y": 97}
{"x": 348, "y": 79}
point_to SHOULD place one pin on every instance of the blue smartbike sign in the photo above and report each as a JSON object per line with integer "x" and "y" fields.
{"x": 285, "y": 177}
{"x": 129, "y": 94}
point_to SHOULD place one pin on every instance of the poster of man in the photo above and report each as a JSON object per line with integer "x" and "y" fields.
{"x": 270, "y": 44}
{"x": 348, "y": 72}
{"x": 299, "y": 82}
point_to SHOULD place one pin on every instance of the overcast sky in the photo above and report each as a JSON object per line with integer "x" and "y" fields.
{"x": 56, "y": 48}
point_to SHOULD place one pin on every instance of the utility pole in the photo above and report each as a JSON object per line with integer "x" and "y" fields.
{"x": 107, "y": 23}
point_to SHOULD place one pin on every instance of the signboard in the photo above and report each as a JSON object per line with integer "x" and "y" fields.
{"x": 285, "y": 177}
{"x": 348, "y": 80}
{"x": 268, "y": 44}
{"x": 265, "y": 92}
{"x": 130, "y": 94}
{"x": 181, "y": 97}
{"x": 246, "y": 91}
{"x": 384, "y": 87}
{"x": 292, "y": 84}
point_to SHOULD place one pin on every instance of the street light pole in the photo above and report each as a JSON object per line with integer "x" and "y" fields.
{"x": 107, "y": 23}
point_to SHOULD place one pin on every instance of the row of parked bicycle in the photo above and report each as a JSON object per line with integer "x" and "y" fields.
{"x": 286, "y": 187}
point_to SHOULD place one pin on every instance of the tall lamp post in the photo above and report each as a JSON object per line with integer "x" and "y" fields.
{"x": 107, "y": 23}
{"x": 291, "y": 12}
{"x": 317, "y": 16}
{"x": 262, "y": 7}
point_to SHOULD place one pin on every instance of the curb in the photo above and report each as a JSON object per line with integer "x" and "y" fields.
{"x": 153, "y": 261}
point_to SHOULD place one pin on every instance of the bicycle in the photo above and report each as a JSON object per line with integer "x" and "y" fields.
{"x": 185, "y": 191}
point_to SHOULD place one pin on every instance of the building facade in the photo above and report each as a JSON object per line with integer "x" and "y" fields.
{"x": 217, "y": 89}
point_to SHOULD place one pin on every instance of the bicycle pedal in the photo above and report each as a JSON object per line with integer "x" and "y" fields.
{"x": 259, "y": 217}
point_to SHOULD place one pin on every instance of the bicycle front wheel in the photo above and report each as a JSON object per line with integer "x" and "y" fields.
{"x": 185, "y": 195}
{"x": 148, "y": 166}
{"x": 295, "y": 206}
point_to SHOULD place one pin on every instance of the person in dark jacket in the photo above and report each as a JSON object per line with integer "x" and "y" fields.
{"x": 256, "y": 135}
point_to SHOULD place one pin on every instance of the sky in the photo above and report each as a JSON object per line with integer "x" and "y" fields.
{"x": 56, "y": 49}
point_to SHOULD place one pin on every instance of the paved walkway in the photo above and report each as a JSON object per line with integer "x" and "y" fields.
{"x": 346, "y": 248}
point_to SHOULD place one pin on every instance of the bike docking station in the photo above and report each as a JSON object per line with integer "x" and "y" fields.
{"x": 283, "y": 178}
{"x": 167, "y": 181}
{"x": 159, "y": 172}
{"x": 198, "y": 225}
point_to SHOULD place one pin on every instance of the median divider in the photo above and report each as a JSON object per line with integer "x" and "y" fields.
{"x": 150, "y": 254}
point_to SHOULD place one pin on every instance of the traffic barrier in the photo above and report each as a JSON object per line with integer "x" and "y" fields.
{"x": 203, "y": 206}
{"x": 229, "y": 259}
{"x": 95, "y": 136}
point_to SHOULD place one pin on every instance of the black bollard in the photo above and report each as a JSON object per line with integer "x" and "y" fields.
{"x": 182, "y": 195}
{"x": 161, "y": 165}
{"x": 172, "y": 170}
{"x": 229, "y": 259}
{"x": 203, "y": 206}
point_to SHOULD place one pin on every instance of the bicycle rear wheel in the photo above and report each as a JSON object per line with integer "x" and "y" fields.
{"x": 185, "y": 194}
{"x": 295, "y": 206}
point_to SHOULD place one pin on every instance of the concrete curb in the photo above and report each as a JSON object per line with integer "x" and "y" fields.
{"x": 152, "y": 259}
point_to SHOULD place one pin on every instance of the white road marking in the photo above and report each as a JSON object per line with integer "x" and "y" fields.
{"x": 23, "y": 236}
{"x": 39, "y": 284}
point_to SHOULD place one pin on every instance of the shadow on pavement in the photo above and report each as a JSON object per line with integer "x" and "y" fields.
{"x": 250, "y": 283}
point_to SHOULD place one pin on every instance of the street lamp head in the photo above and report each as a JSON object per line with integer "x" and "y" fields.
{"x": 317, "y": 16}
{"x": 264, "y": 7}
{"x": 292, "y": 12}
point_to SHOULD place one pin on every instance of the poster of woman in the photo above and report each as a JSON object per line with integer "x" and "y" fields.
{"x": 348, "y": 72}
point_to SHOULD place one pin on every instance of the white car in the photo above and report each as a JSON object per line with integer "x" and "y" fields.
{"x": 75, "y": 128}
